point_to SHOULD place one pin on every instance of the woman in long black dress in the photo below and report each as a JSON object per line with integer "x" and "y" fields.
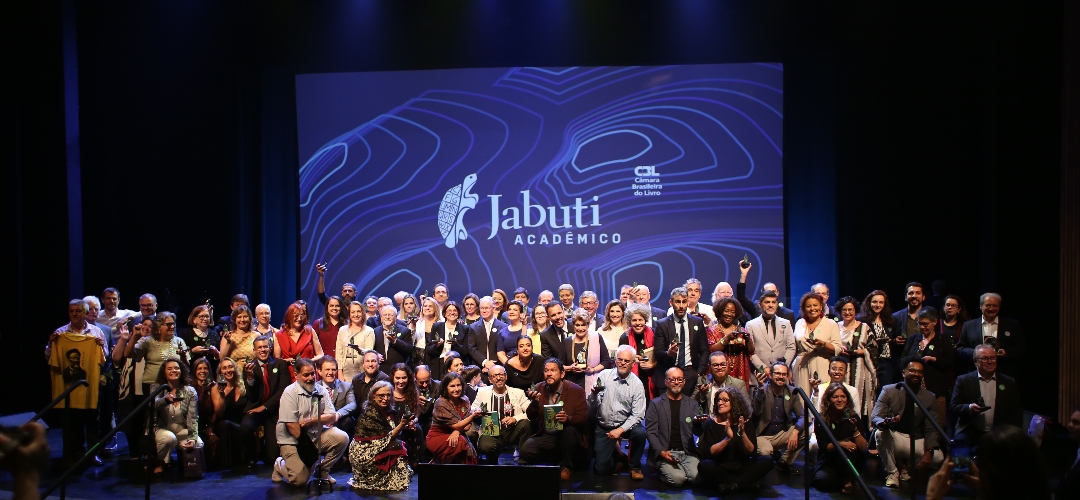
{"x": 234, "y": 395}
{"x": 445, "y": 337}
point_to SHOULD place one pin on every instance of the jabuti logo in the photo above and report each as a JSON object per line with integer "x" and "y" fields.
{"x": 460, "y": 199}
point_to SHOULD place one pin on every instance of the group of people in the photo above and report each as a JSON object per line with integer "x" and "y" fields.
{"x": 390, "y": 382}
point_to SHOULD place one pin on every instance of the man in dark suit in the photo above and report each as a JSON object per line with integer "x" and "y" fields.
{"x": 429, "y": 392}
{"x": 266, "y": 378}
{"x": 906, "y": 320}
{"x": 681, "y": 340}
{"x": 551, "y": 339}
{"x": 374, "y": 322}
{"x": 984, "y": 399}
{"x": 559, "y": 446}
{"x": 482, "y": 341}
{"x": 362, "y": 382}
{"x": 340, "y": 394}
{"x": 390, "y": 340}
{"x": 896, "y": 420}
{"x": 774, "y": 430}
{"x": 673, "y": 455}
{"x": 238, "y": 300}
{"x": 1004, "y": 334}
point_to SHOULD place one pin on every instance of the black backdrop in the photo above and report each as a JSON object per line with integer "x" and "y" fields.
{"x": 920, "y": 143}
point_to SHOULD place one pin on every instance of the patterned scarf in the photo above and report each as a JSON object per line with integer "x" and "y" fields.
{"x": 373, "y": 426}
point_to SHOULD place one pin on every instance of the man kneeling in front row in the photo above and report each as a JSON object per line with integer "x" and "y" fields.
{"x": 305, "y": 413}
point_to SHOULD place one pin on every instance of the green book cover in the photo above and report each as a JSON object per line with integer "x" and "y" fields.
{"x": 549, "y": 417}
{"x": 489, "y": 425}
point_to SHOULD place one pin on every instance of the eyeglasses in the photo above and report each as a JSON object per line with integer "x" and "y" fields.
{"x": 987, "y": 359}
{"x": 624, "y": 361}
{"x": 382, "y": 395}
{"x": 497, "y": 375}
{"x": 170, "y": 325}
{"x": 676, "y": 380}
{"x": 203, "y": 316}
{"x": 718, "y": 365}
{"x": 925, "y": 324}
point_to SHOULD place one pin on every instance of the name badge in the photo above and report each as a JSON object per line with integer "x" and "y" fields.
{"x": 786, "y": 397}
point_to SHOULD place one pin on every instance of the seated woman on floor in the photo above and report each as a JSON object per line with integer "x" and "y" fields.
{"x": 728, "y": 444}
{"x": 840, "y": 417}
{"x": 378, "y": 459}
{"x": 177, "y": 422}
{"x": 451, "y": 419}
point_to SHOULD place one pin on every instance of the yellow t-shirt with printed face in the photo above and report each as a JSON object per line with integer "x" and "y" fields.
{"x": 76, "y": 357}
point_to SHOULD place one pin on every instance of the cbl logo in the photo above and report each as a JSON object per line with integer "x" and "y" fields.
{"x": 646, "y": 171}
{"x": 455, "y": 203}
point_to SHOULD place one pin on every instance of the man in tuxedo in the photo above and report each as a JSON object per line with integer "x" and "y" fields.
{"x": 684, "y": 337}
{"x": 1005, "y": 335}
{"x": 340, "y": 394}
{"x": 984, "y": 399}
{"x": 559, "y": 446}
{"x": 389, "y": 340}
{"x": 551, "y": 339}
{"x": 774, "y": 338}
{"x": 482, "y": 339}
{"x": 266, "y": 379}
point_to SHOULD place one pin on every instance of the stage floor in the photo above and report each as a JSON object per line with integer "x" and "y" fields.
{"x": 119, "y": 479}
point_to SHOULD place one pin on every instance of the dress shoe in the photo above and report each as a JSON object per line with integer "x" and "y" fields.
{"x": 636, "y": 474}
{"x": 565, "y": 474}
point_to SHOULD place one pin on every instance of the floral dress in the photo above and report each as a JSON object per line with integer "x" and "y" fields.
{"x": 378, "y": 459}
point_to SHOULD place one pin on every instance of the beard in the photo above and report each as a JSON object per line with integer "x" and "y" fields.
{"x": 308, "y": 386}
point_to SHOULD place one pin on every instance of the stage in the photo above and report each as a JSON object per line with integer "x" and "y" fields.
{"x": 118, "y": 478}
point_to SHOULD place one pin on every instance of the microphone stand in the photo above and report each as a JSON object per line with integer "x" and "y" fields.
{"x": 318, "y": 483}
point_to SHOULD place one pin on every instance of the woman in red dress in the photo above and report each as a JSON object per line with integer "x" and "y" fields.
{"x": 327, "y": 326}
{"x": 727, "y": 335}
{"x": 296, "y": 339}
{"x": 451, "y": 418}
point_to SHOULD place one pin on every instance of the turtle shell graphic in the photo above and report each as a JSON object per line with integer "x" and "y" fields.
{"x": 455, "y": 203}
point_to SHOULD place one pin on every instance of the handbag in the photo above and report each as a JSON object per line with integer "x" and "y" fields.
{"x": 193, "y": 461}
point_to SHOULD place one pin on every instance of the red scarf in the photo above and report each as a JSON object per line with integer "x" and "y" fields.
{"x": 648, "y": 343}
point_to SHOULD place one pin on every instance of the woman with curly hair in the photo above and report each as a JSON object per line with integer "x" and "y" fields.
{"x": 817, "y": 340}
{"x": 838, "y": 415}
{"x": 876, "y": 313}
{"x": 726, "y": 334}
{"x": 177, "y": 412}
{"x": 407, "y": 405}
{"x": 376, "y": 454}
{"x": 728, "y": 443}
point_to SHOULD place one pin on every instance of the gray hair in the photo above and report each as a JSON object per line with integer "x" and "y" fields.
{"x": 679, "y": 291}
{"x": 566, "y": 286}
{"x": 988, "y": 295}
{"x": 589, "y": 293}
{"x": 79, "y": 302}
{"x": 90, "y": 299}
{"x": 625, "y": 348}
{"x": 639, "y": 309}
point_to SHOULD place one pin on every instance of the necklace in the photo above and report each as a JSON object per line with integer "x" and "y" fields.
{"x": 166, "y": 349}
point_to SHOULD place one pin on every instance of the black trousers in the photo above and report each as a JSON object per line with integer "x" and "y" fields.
{"x": 268, "y": 420}
{"x": 742, "y": 474}
{"x": 81, "y": 428}
{"x": 559, "y": 447}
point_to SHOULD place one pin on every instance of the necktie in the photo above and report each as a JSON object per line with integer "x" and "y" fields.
{"x": 266, "y": 382}
{"x": 772, "y": 323}
{"x": 330, "y": 393}
{"x": 682, "y": 344}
